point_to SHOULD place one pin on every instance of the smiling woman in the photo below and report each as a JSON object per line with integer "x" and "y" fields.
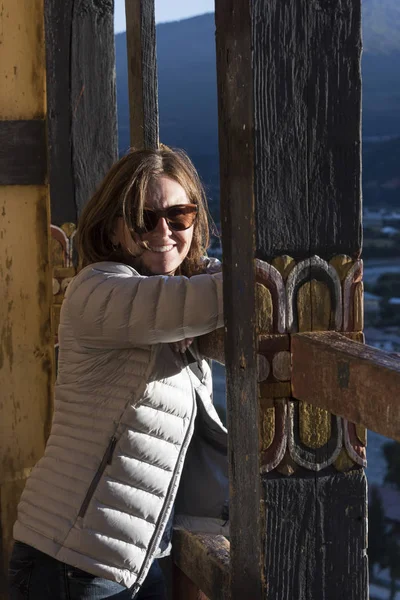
{"x": 133, "y": 413}
{"x": 167, "y": 233}
{"x": 150, "y": 212}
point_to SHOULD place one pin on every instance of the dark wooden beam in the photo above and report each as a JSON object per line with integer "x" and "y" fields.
{"x": 93, "y": 96}
{"x": 235, "y": 106}
{"x": 81, "y": 96}
{"x": 23, "y": 152}
{"x": 204, "y": 560}
{"x": 58, "y": 25}
{"x": 307, "y": 519}
{"x": 307, "y": 87}
{"x": 307, "y": 95}
{"x": 142, "y": 73}
{"x": 351, "y": 380}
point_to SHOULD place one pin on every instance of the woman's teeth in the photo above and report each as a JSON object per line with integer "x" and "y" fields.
{"x": 161, "y": 248}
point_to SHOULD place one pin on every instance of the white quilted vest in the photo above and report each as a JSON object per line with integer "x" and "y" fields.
{"x": 125, "y": 413}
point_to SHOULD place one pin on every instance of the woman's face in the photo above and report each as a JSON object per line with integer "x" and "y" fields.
{"x": 167, "y": 249}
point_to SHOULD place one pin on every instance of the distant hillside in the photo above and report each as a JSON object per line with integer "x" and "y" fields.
{"x": 187, "y": 84}
{"x": 381, "y": 174}
{"x": 188, "y": 88}
{"x": 381, "y": 25}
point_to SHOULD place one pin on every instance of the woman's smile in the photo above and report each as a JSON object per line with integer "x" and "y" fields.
{"x": 166, "y": 248}
{"x": 161, "y": 249}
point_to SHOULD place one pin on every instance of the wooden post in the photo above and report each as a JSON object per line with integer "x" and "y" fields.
{"x": 289, "y": 112}
{"x": 26, "y": 356}
{"x": 82, "y": 117}
{"x": 82, "y": 121}
{"x": 142, "y": 73}
{"x": 234, "y": 71}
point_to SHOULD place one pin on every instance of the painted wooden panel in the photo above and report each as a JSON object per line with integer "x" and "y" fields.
{"x": 307, "y": 94}
{"x": 26, "y": 345}
{"x": 22, "y": 74}
{"x": 26, "y": 349}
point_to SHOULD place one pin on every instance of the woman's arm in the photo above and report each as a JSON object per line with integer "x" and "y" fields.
{"x": 116, "y": 307}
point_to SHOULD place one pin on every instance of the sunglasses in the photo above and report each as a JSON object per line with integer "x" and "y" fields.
{"x": 178, "y": 217}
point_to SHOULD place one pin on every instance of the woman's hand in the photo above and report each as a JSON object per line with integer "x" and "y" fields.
{"x": 182, "y": 345}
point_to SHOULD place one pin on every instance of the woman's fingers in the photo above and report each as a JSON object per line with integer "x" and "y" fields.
{"x": 182, "y": 345}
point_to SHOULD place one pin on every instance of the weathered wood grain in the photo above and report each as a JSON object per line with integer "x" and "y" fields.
{"x": 271, "y": 344}
{"x": 358, "y": 382}
{"x": 26, "y": 353}
{"x": 280, "y": 78}
{"x": 307, "y": 95}
{"x": 235, "y": 107}
{"x": 142, "y": 73}
{"x": 333, "y": 96}
{"x": 204, "y": 560}
{"x": 23, "y": 154}
{"x": 82, "y": 122}
{"x": 58, "y": 26}
{"x": 93, "y": 96}
{"x": 211, "y": 345}
{"x": 316, "y": 537}
{"x": 184, "y": 588}
{"x": 275, "y": 390}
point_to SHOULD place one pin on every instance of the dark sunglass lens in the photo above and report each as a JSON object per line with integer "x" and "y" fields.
{"x": 181, "y": 217}
{"x": 150, "y": 219}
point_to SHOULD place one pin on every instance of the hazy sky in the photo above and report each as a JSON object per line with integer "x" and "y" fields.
{"x": 166, "y": 10}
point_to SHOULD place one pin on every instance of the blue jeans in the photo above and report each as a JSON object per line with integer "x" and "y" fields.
{"x": 34, "y": 575}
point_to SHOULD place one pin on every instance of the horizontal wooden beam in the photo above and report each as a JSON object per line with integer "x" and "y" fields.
{"x": 357, "y": 382}
{"x": 23, "y": 152}
{"x": 205, "y": 561}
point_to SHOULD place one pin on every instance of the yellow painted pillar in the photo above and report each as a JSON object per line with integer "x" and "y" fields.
{"x": 26, "y": 344}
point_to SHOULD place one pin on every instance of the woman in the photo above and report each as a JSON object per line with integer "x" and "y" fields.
{"x": 97, "y": 510}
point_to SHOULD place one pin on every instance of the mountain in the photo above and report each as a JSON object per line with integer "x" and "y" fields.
{"x": 381, "y": 174}
{"x": 186, "y": 81}
{"x": 188, "y": 90}
{"x": 381, "y": 23}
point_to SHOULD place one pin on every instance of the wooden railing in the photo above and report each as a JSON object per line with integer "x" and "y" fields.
{"x": 357, "y": 382}
{"x": 330, "y": 371}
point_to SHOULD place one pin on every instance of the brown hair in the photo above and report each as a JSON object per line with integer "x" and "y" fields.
{"x": 122, "y": 193}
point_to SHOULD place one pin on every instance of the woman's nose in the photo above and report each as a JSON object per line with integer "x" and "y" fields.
{"x": 162, "y": 226}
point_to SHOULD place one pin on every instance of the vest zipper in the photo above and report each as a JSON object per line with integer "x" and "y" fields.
{"x": 106, "y": 460}
{"x": 150, "y": 553}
